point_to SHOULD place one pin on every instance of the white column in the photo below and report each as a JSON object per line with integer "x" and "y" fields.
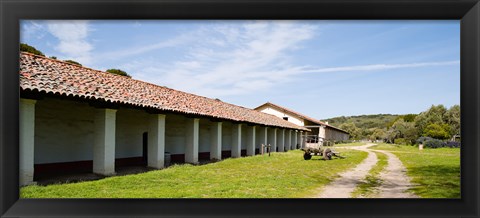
{"x": 156, "y": 141}
{"x": 295, "y": 140}
{"x": 265, "y": 136}
{"x": 300, "y": 140}
{"x": 104, "y": 142}
{"x": 236, "y": 140}
{"x": 288, "y": 140}
{"x": 27, "y": 140}
{"x": 322, "y": 132}
{"x": 272, "y": 139}
{"x": 281, "y": 140}
{"x": 191, "y": 144}
{"x": 216, "y": 141}
{"x": 251, "y": 141}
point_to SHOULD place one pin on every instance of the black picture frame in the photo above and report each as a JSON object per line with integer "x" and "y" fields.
{"x": 467, "y": 11}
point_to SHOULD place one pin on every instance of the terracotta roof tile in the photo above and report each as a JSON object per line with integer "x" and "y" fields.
{"x": 299, "y": 114}
{"x": 43, "y": 74}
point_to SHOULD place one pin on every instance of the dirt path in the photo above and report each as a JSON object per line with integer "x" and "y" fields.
{"x": 395, "y": 182}
{"x": 343, "y": 186}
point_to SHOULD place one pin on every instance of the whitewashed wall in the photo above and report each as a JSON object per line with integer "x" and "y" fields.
{"x": 175, "y": 129}
{"x": 227, "y": 136}
{"x": 204, "y": 135}
{"x": 130, "y": 126}
{"x": 291, "y": 117}
{"x": 245, "y": 127}
{"x": 63, "y": 131}
{"x": 322, "y": 133}
{"x": 258, "y": 137}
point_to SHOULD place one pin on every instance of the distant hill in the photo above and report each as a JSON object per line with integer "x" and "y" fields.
{"x": 438, "y": 122}
{"x": 365, "y": 121}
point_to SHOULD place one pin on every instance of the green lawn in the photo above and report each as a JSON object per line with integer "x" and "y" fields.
{"x": 436, "y": 172}
{"x": 283, "y": 175}
{"x": 368, "y": 188}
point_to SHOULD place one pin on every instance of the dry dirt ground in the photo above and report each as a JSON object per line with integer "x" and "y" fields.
{"x": 395, "y": 182}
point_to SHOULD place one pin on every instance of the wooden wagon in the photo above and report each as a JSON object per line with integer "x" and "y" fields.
{"x": 319, "y": 148}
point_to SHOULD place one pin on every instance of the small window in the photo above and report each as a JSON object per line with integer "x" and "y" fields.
{"x": 285, "y": 118}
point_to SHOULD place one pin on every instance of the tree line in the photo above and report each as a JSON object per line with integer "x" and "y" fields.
{"x": 437, "y": 123}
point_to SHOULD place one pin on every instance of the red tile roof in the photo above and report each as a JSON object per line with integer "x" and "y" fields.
{"x": 299, "y": 115}
{"x": 45, "y": 75}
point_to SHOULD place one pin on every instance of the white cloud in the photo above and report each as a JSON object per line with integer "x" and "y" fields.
{"x": 374, "y": 67}
{"x": 31, "y": 29}
{"x": 73, "y": 39}
{"x": 231, "y": 59}
{"x": 234, "y": 59}
{"x": 132, "y": 51}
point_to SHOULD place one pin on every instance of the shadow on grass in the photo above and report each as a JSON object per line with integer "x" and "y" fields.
{"x": 436, "y": 181}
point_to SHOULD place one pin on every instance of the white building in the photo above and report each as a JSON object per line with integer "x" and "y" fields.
{"x": 73, "y": 118}
{"x": 320, "y": 131}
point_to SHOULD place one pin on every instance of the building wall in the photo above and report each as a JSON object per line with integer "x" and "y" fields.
{"x": 130, "y": 126}
{"x": 322, "y": 133}
{"x": 204, "y": 135}
{"x": 291, "y": 117}
{"x": 175, "y": 130}
{"x": 227, "y": 136}
{"x": 258, "y": 137}
{"x": 332, "y": 134}
{"x": 63, "y": 131}
{"x": 244, "y": 139}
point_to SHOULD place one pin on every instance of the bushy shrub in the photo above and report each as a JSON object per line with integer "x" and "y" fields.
{"x": 400, "y": 141}
{"x": 439, "y": 131}
{"x": 452, "y": 144}
{"x": 73, "y": 62}
{"x": 429, "y": 142}
{"x": 118, "y": 72}
{"x": 422, "y": 139}
{"x": 434, "y": 143}
{"x": 31, "y": 49}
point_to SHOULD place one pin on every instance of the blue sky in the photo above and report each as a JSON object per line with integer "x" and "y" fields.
{"x": 323, "y": 69}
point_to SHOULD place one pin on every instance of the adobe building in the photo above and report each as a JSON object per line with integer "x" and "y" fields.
{"x": 319, "y": 131}
{"x": 79, "y": 119}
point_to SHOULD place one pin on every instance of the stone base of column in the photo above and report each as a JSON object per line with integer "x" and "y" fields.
{"x": 26, "y": 178}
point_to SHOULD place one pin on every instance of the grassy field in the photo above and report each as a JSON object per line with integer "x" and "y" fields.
{"x": 436, "y": 172}
{"x": 368, "y": 188}
{"x": 283, "y": 175}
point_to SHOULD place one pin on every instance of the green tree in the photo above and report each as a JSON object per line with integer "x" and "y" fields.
{"x": 433, "y": 115}
{"x": 410, "y": 133}
{"x": 409, "y": 117}
{"x": 438, "y": 131}
{"x": 378, "y": 134}
{"x": 28, "y": 48}
{"x": 390, "y": 135}
{"x": 118, "y": 72}
{"x": 452, "y": 118}
{"x": 355, "y": 132}
{"x": 73, "y": 62}
{"x": 400, "y": 127}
